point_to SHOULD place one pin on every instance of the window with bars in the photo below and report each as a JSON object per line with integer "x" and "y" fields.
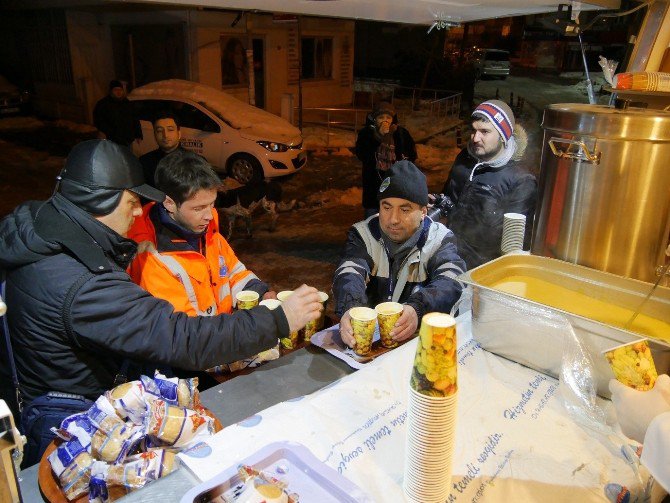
{"x": 317, "y": 58}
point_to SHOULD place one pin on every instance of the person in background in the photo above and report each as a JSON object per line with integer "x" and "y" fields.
{"x": 399, "y": 255}
{"x": 379, "y": 145}
{"x": 644, "y": 416}
{"x": 75, "y": 316}
{"x": 487, "y": 180}
{"x": 115, "y": 118}
{"x": 167, "y": 132}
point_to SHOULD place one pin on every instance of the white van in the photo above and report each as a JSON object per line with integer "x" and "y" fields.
{"x": 491, "y": 63}
{"x": 237, "y": 139}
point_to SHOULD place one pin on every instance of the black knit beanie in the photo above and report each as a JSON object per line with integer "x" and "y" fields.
{"x": 405, "y": 181}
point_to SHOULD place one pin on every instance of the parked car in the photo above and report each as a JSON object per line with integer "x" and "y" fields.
{"x": 239, "y": 140}
{"x": 13, "y": 100}
{"x": 491, "y": 63}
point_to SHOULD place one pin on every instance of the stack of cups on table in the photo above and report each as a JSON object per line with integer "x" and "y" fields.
{"x": 431, "y": 414}
{"x": 514, "y": 229}
{"x": 310, "y": 329}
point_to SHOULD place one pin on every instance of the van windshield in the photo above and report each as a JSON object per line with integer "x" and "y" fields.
{"x": 497, "y": 56}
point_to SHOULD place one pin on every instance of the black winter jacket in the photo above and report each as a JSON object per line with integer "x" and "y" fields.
{"x": 367, "y": 144}
{"x": 117, "y": 119}
{"x": 480, "y": 203}
{"x": 74, "y": 313}
{"x": 150, "y": 162}
{"x": 426, "y": 279}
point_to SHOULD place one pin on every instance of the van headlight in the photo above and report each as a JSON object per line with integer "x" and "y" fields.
{"x": 273, "y": 146}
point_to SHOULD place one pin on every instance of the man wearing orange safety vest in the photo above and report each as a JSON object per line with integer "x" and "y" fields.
{"x": 182, "y": 257}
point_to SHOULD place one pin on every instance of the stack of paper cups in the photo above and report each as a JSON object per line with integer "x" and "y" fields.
{"x": 431, "y": 417}
{"x": 514, "y": 228}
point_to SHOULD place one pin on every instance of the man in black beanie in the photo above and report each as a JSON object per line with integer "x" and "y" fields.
{"x": 398, "y": 255}
{"x": 115, "y": 117}
{"x": 73, "y": 312}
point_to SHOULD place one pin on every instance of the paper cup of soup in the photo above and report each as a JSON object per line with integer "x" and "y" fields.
{"x": 293, "y": 338}
{"x": 387, "y": 315}
{"x": 314, "y": 326}
{"x": 363, "y": 322}
{"x": 271, "y": 304}
{"x": 633, "y": 365}
{"x": 246, "y": 299}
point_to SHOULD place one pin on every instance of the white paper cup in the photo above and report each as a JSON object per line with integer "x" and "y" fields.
{"x": 283, "y": 295}
{"x": 270, "y": 303}
{"x": 513, "y": 232}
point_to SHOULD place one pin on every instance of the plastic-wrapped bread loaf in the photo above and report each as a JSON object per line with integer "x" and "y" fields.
{"x": 170, "y": 425}
{"x": 71, "y": 463}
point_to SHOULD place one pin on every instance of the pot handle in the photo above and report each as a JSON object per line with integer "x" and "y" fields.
{"x": 581, "y": 153}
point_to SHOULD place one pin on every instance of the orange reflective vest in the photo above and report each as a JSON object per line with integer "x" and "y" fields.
{"x": 196, "y": 284}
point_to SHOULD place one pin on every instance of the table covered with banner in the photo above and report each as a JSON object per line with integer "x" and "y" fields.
{"x": 514, "y": 437}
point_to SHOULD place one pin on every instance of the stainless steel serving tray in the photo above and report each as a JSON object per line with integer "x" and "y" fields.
{"x": 531, "y": 333}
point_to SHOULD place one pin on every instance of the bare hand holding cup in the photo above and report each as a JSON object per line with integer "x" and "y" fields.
{"x": 406, "y": 325}
{"x": 302, "y": 306}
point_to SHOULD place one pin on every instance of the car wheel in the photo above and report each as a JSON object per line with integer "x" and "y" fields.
{"x": 245, "y": 168}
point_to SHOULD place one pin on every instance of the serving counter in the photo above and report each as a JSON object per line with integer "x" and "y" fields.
{"x": 514, "y": 439}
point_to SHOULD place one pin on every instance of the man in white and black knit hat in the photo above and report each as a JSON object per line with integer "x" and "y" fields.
{"x": 398, "y": 255}
{"x": 487, "y": 180}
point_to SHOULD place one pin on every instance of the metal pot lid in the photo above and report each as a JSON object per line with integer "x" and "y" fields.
{"x": 602, "y": 121}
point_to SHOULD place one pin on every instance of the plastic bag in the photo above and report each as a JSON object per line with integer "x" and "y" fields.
{"x": 609, "y": 67}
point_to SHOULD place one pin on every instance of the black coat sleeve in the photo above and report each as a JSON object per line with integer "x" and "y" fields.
{"x": 110, "y": 312}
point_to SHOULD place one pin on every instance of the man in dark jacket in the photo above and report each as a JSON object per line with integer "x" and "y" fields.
{"x": 379, "y": 145}
{"x": 167, "y": 132}
{"x": 400, "y": 255}
{"x": 74, "y": 314}
{"x": 487, "y": 180}
{"x": 115, "y": 118}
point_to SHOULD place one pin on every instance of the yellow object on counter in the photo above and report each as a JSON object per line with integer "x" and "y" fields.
{"x": 582, "y": 304}
{"x": 633, "y": 365}
{"x": 435, "y": 369}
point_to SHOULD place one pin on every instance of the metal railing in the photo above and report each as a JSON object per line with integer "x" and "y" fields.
{"x": 347, "y": 119}
{"x": 441, "y": 105}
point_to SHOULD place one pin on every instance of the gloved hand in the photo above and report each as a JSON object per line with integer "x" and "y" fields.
{"x": 636, "y": 409}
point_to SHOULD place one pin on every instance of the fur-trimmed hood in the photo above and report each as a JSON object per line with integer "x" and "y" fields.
{"x": 521, "y": 137}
